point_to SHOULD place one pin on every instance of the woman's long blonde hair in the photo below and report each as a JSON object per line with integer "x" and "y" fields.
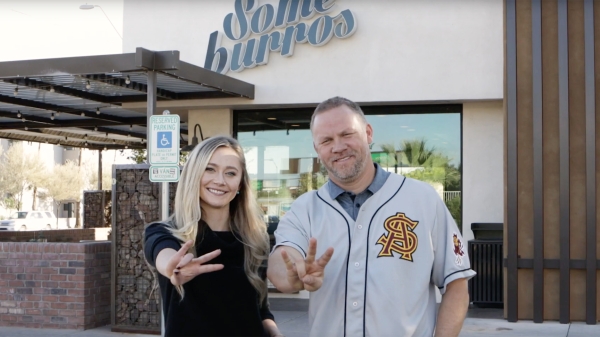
{"x": 245, "y": 216}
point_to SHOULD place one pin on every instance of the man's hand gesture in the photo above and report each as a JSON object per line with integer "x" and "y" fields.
{"x": 307, "y": 274}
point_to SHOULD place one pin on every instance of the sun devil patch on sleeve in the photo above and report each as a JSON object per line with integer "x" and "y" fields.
{"x": 458, "y": 249}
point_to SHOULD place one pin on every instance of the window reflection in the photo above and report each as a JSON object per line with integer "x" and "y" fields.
{"x": 282, "y": 162}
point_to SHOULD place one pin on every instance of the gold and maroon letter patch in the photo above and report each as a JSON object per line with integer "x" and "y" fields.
{"x": 400, "y": 237}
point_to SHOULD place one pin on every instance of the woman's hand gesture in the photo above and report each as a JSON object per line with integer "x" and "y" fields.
{"x": 184, "y": 267}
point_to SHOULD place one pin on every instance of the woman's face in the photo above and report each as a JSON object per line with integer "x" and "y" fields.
{"x": 221, "y": 180}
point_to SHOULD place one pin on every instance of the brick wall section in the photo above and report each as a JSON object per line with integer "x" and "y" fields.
{"x": 55, "y": 285}
{"x": 58, "y": 235}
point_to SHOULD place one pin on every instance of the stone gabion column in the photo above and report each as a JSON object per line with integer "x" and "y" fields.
{"x": 96, "y": 209}
{"x": 136, "y": 203}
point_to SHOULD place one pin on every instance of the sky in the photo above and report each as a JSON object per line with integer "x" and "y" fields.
{"x": 35, "y": 29}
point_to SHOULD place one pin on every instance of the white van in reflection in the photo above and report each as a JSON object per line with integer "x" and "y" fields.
{"x": 28, "y": 221}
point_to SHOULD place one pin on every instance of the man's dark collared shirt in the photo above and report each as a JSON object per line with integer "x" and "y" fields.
{"x": 352, "y": 202}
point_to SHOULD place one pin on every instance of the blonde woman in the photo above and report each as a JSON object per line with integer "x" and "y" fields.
{"x": 210, "y": 254}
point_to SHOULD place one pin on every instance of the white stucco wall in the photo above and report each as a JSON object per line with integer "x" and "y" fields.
{"x": 483, "y": 158}
{"x": 402, "y": 51}
{"x": 212, "y": 121}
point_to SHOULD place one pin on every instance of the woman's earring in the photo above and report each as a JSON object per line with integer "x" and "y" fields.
{"x": 238, "y": 192}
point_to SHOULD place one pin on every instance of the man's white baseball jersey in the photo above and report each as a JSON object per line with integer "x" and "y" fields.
{"x": 381, "y": 279}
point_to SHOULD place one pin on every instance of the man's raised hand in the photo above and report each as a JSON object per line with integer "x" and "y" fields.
{"x": 308, "y": 273}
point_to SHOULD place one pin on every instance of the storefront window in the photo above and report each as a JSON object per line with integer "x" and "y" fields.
{"x": 419, "y": 142}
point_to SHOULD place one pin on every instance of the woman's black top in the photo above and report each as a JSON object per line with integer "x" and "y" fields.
{"x": 220, "y": 303}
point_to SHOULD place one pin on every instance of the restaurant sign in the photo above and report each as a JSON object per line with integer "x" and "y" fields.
{"x": 263, "y": 21}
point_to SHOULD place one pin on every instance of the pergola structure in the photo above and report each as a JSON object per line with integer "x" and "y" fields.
{"x": 78, "y": 101}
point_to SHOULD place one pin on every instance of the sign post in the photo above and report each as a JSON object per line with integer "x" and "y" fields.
{"x": 163, "y": 144}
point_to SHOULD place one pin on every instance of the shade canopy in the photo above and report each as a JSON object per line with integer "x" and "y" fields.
{"x": 78, "y": 101}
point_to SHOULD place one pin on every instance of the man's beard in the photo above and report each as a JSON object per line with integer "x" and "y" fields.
{"x": 347, "y": 174}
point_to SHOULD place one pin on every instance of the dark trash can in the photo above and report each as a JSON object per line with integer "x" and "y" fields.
{"x": 486, "y": 289}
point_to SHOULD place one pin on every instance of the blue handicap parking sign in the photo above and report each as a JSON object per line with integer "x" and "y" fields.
{"x": 163, "y": 140}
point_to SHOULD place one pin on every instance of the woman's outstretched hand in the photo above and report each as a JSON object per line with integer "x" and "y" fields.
{"x": 184, "y": 267}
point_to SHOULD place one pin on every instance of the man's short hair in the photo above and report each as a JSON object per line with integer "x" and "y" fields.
{"x": 335, "y": 102}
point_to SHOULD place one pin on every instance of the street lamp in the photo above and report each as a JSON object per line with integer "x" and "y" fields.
{"x": 191, "y": 146}
{"x": 86, "y": 7}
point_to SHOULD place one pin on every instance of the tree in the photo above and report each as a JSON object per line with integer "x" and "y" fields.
{"x": 432, "y": 165}
{"x": 37, "y": 175}
{"x": 66, "y": 183}
{"x": 92, "y": 174}
{"x": 12, "y": 176}
{"x": 138, "y": 156}
{"x": 18, "y": 172}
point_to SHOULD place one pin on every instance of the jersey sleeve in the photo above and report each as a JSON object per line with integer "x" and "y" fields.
{"x": 451, "y": 261}
{"x": 290, "y": 232}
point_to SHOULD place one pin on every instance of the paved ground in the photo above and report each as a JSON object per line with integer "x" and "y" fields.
{"x": 292, "y": 318}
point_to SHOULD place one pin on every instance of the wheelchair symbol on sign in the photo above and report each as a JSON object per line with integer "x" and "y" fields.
{"x": 164, "y": 140}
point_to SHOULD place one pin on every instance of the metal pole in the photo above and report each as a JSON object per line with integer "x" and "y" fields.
{"x": 164, "y": 209}
{"x": 100, "y": 170}
{"x": 151, "y": 109}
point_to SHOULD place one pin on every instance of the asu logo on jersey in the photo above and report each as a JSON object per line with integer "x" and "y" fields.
{"x": 400, "y": 238}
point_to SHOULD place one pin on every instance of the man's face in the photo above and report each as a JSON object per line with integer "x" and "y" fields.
{"x": 342, "y": 141}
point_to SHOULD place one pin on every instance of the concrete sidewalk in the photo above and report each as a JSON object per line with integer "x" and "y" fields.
{"x": 292, "y": 318}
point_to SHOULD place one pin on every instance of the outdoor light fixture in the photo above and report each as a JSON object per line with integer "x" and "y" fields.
{"x": 95, "y": 128}
{"x": 58, "y": 113}
{"x": 130, "y": 127}
{"x": 52, "y": 116}
{"x": 86, "y": 7}
{"x": 18, "y": 113}
{"x": 126, "y": 146}
{"x": 23, "y": 119}
{"x": 127, "y": 80}
{"x": 128, "y": 134}
{"x": 85, "y": 136}
{"x": 97, "y": 111}
{"x": 82, "y": 114}
{"x": 191, "y": 146}
{"x": 114, "y": 142}
{"x": 16, "y": 91}
{"x": 88, "y": 85}
{"x": 104, "y": 148}
{"x": 51, "y": 88}
{"x": 26, "y": 128}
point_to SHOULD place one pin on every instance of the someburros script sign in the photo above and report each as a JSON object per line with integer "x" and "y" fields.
{"x": 249, "y": 18}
